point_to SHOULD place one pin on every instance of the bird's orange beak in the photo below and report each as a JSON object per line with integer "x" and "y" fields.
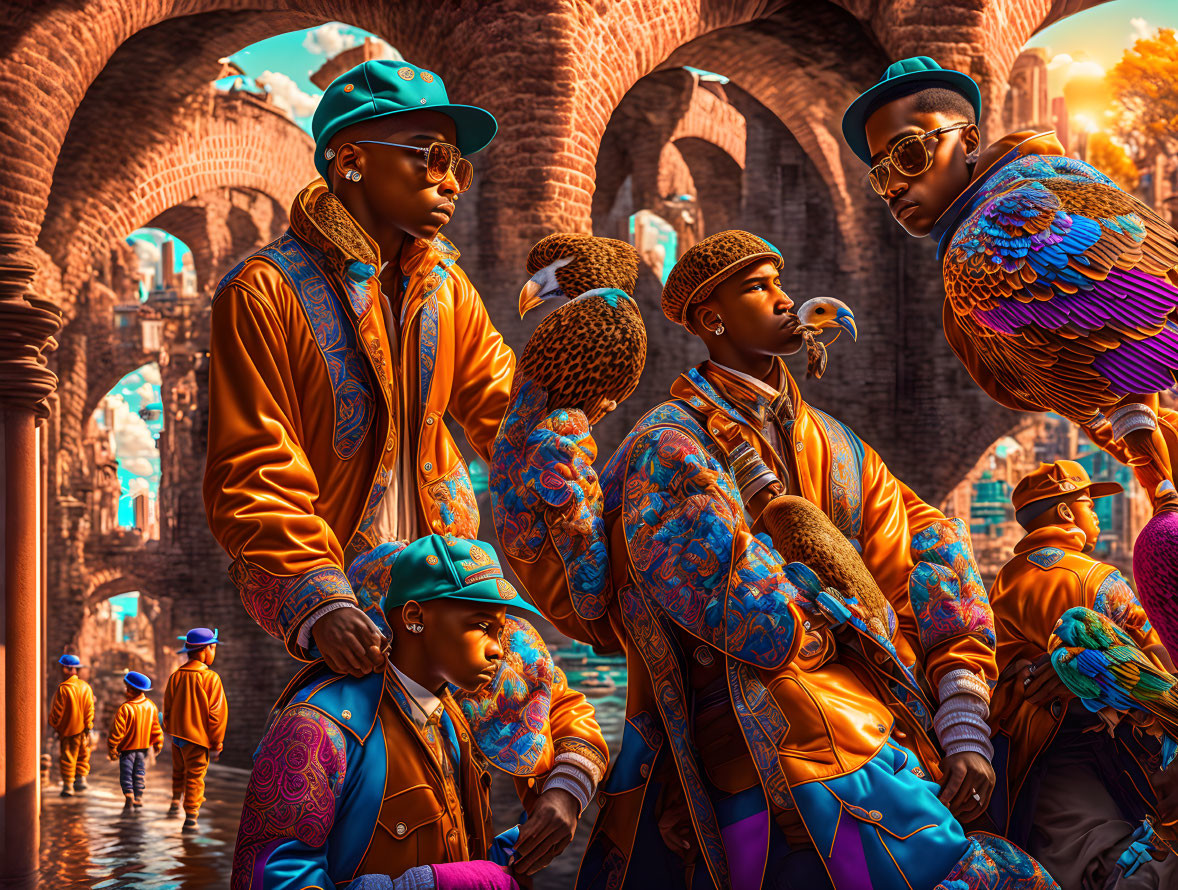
{"x": 529, "y": 297}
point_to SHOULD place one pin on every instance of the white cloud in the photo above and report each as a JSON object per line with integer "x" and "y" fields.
{"x": 1059, "y": 60}
{"x": 287, "y": 94}
{"x": 1140, "y": 28}
{"x": 150, "y": 373}
{"x": 148, "y": 395}
{"x": 138, "y": 466}
{"x": 132, "y": 437}
{"x": 138, "y": 485}
{"x": 149, "y": 255}
{"x": 329, "y": 40}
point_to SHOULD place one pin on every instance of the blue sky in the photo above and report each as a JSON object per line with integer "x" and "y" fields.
{"x": 135, "y": 448}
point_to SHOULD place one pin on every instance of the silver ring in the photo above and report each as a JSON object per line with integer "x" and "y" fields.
{"x": 977, "y": 797}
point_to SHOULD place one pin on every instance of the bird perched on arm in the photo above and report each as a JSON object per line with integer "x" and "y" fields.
{"x": 1062, "y": 295}
{"x": 590, "y": 351}
{"x": 816, "y": 315}
{"x": 1104, "y": 668}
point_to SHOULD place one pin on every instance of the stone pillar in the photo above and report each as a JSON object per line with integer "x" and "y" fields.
{"x": 27, "y": 326}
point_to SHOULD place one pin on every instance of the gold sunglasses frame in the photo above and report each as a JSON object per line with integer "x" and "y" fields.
{"x": 890, "y": 160}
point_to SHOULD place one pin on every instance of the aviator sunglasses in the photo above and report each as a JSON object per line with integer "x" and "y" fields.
{"x": 440, "y": 158}
{"x": 911, "y": 156}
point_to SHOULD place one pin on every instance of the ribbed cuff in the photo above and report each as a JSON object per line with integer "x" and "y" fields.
{"x": 420, "y": 877}
{"x": 962, "y": 680}
{"x": 304, "y": 638}
{"x": 961, "y": 725}
{"x": 573, "y": 779}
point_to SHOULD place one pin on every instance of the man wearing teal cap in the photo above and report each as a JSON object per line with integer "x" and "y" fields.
{"x": 337, "y": 352}
{"x": 388, "y": 770}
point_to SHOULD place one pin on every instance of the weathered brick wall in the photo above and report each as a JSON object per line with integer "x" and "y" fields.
{"x": 111, "y": 124}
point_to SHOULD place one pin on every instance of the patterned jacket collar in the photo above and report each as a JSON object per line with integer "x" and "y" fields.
{"x": 1067, "y": 538}
{"x": 991, "y": 161}
{"x": 318, "y": 218}
{"x": 744, "y": 403}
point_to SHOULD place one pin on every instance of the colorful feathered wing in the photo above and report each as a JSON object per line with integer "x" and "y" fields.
{"x": 1103, "y": 667}
{"x": 1065, "y": 288}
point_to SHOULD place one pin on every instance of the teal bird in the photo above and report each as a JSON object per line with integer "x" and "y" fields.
{"x": 1106, "y": 670}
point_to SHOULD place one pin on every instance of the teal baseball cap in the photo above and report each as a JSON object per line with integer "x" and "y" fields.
{"x": 444, "y": 567}
{"x": 900, "y": 79}
{"x": 383, "y": 87}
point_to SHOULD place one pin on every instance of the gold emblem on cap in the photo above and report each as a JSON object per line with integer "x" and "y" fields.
{"x": 431, "y": 560}
{"x": 1067, "y": 486}
{"x": 506, "y": 592}
{"x": 406, "y": 73}
{"x": 349, "y": 87}
{"x": 427, "y": 77}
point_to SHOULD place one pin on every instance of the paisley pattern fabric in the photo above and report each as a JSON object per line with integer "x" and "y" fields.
{"x": 428, "y": 340}
{"x": 543, "y": 484}
{"x": 370, "y": 574}
{"x": 994, "y": 863}
{"x": 355, "y": 402}
{"x": 380, "y": 485}
{"x": 1116, "y": 599}
{"x": 279, "y": 605}
{"x": 297, "y": 772}
{"x": 846, "y": 474}
{"x": 680, "y": 515}
{"x": 457, "y": 506}
{"x": 508, "y": 719}
{"x": 947, "y": 593}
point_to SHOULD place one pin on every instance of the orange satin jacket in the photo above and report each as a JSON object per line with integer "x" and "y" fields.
{"x": 135, "y": 726}
{"x": 72, "y": 711}
{"x": 1049, "y": 574}
{"x": 312, "y": 403}
{"x": 194, "y": 705}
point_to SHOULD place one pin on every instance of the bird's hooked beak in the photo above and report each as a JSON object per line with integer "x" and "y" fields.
{"x": 827, "y": 312}
{"x": 541, "y": 287}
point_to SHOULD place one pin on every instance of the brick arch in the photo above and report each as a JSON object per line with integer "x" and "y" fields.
{"x": 111, "y": 581}
{"x": 718, "y": 182}
{"x": 234, "y": 141}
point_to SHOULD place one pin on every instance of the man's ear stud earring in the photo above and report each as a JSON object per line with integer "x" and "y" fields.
{"x": 329, "y": 154}
{"x": 415, "y": 628}
{"x": 353, "y": 175}
{"x": 720, "y": 329}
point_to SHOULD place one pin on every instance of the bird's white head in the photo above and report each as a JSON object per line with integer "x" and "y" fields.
{"x": 827, "y": 312}
{"x": 542, "y": 287}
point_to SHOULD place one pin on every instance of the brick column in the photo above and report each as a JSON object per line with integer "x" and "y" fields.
{"x": 27, "y": 326}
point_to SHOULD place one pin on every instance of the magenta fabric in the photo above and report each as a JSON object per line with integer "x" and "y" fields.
{"x": 476, "y": 875}
{"x": 1155, "y": 567}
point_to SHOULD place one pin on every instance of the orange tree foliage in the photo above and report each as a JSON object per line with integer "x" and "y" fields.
{"x": 1112, "y": 160}
{"x": 1145, "y": 84}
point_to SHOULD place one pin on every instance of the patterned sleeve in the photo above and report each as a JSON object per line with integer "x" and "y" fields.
{"x": 693, "y": 554}
{"x": 1116, "y": 599}
{"x": 290, "y": 805}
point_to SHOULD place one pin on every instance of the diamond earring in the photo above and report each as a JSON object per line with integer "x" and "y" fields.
{"x": 353, "y": 175}
{"x": 329, "y": 154}
{"x": 415, "y": 628}
{"x": 719, "y": 329}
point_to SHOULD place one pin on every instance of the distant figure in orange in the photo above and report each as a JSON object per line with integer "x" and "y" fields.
{"x": 195, "y": 716}
{"x": 72, "y": 718}
{"x": 134, "y": 729}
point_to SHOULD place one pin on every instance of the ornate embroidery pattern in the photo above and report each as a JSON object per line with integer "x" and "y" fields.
{"x": 994, "y": 863}
{"x": 531, "y": 497}
{"x": 582, "y": 748}
{"x": 509, "y": 718}
{"x": 298, "y": 770}
{"x": 457, "y": 507}
{"x": 1116, "y": 599}
{"x": 659, "y": 651}
{"x": 383, "y": 477}
{"x": 764, "y": 726}
{"x": 279, "y": 604}
{"x": 355, "y": 405}
{"x": 946, "y": 591}
{"x": 427, "y": 342}
{"x": 680, "y": 516}
{"x": 370, "y": 574}
{"x": 846, "y": 474}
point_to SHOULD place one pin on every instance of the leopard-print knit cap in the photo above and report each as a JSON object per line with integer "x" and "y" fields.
{"x": 708, "y": 263}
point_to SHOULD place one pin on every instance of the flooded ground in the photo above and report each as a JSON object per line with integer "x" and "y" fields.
{"x": 90, "y": 842}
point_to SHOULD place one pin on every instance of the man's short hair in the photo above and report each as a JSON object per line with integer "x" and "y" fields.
{"x": 931, "y": 100}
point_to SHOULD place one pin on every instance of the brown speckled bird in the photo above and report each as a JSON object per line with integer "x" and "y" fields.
{"x": 815, "y": 315}
{"x": 801, "y": 532}
{"x": 590, "y": 351}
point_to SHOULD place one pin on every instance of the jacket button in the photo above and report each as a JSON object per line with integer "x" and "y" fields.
{"x": 452, "y": 835}
{"x": 347, "y": 715}
{"x": 875, "y": 815}
{"x": 400, "y": 830}
{"x": 429, "y": 421}
{"x": 428, "y": 467}
{"x": 800, "y": 446}
{"x": 882, "y": 728}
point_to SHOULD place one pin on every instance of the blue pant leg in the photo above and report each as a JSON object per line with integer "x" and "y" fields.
{"x": 126, "y": 770}
{"x": 139, "y": 776}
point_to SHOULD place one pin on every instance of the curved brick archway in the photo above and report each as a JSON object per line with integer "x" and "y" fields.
{"x": 242, "y": 142}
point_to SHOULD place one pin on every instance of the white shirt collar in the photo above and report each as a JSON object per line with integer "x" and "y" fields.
{"x": 758, "y": 383}
{"x": 427, "y": 702}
